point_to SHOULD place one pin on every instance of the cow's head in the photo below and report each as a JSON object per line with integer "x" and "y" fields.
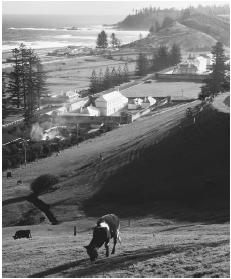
{"x": 92, "y": 252}
{"x": 14, "y": 237}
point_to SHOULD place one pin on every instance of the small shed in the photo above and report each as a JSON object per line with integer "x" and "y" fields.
{"x": 135, "y": 103}
{"x": 148, "y": 101}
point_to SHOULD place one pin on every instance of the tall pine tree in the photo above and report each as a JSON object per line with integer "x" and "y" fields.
{"x": 102, "y": 40}
{"x": 26, "y": 81}
{"x": 216, "y": 81}
{"x": 93, "y": 82}
{"x": 4, "y": 98}
{"x": 15, "y": 80}
{"x": 141, "y": 65}
{"x": 174, "y": 55}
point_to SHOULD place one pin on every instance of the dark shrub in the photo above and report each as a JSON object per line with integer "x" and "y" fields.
{"x": 46, "y": 149}
{"x": 43, "y": 183}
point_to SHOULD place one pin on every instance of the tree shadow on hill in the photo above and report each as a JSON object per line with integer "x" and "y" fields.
{"x": 184, "y": 177}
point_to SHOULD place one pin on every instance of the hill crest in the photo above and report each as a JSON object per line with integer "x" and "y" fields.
{"x": 187, "y": 38}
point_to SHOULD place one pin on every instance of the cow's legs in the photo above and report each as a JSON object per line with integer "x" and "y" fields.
{"x": 107, "y": 248}
{"x": 115, "y": 241}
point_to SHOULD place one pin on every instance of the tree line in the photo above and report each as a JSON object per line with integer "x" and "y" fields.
{"x": 25, "y": 84}
{"x": 162, "y": 58}
{"x": 102, "y": 81}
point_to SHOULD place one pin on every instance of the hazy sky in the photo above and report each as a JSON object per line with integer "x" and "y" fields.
{"x": 92, "y": 7}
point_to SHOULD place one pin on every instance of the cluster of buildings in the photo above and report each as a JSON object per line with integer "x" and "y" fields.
{"x": 193, "y": 65}
{"x": 71, "y": 51}
{"x": 109, "y": 104}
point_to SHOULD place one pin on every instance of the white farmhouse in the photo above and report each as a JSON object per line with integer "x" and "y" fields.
{"x": 202, "y": 64}
{"x": 110, "y": 103}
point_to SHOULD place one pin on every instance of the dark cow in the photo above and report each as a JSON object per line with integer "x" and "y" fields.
{"x": 22, "y": 234}
{"x": 107, "y": 227}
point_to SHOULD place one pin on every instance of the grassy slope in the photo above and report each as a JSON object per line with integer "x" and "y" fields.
{"x": 151, "y": 247}
{"x": 216, "y": 27}
{"x": 190, "y": 166}
{"x": 78, "y": 169}
{"x": 179, "y": 189}
{"x": 187, "y": 38}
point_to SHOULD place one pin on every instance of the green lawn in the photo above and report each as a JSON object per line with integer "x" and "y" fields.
{"x": 177, "y": 90}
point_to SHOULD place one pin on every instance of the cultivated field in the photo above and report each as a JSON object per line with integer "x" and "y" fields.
{"x": 177, "y": 90}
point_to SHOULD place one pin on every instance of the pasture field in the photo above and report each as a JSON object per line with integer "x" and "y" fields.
{"x": 177, "y": 90}
{"x": 178, "y": 210}
{"x": 129, "y": 139}
{"x": 65, "y": 73}
{"x": 74, "y": 73}
{"x": 151, "y": 247}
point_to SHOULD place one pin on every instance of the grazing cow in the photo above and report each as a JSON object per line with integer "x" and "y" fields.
{"x": 22, "y": 234}
{"x": 107, "y": 227}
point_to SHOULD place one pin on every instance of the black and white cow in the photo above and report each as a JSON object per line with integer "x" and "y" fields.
{"x": 107, "y": 227}
{"x": 22, "y": 234}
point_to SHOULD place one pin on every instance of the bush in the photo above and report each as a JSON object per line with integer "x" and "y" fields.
{"x": 43, "y": 183}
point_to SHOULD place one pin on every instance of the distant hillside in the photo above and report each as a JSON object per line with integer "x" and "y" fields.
{"x": 206, "y": 25}
{"x": 187, "y": 38}
{"x": 144, "y": 19}
{"x": 216, "y": 27}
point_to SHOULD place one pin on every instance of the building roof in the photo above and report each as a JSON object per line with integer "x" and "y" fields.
{"x": 115, "y": 95}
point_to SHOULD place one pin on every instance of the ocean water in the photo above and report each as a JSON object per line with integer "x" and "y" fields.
{"x": 40, "y": 32}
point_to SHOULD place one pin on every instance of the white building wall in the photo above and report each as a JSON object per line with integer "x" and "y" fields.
{"x": 111, "y": 103}
{"x": 202, "y": 64}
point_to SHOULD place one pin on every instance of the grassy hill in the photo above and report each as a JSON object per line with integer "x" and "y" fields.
{"x": 187, "y": 38}
{"x": 190, "y": 167}
{"x": 195, "y": 29}
{"x": 214, "y": 26}
{"x": 151, "y": 247}
{"x": 170, "y": 186}
{"x": 151, "y": 162}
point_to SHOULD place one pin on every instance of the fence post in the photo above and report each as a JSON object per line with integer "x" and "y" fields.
{"x": 74, "y": 230}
